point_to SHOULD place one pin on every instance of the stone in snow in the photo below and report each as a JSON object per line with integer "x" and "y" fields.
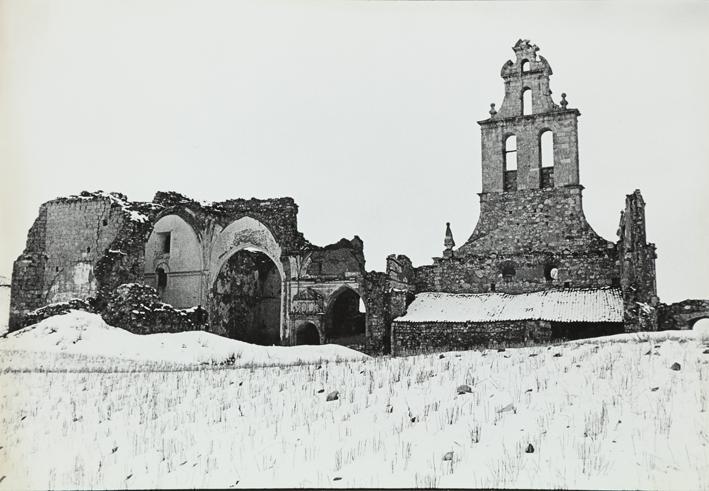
{"x": 333, "y": 396}
{"x": 676, "y": 367}
{"x": 530, "y": 449}
{"x": 463, "y": 389}
{"x": 448, "y": 456}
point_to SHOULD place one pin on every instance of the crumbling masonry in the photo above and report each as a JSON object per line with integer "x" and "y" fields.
{"x": 241, "y": 268}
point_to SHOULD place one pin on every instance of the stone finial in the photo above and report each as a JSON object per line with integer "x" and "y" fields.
{"x": 493, "y": 111}
{"x": 564, "y": 102}
{"x": 448, "y": 242}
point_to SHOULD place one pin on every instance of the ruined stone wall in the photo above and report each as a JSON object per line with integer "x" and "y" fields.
{"x": 531, "y": 221}
{"x": 681, "y": 315}
{"x": 421, "y": 337}
{"x": 27, "y": 284}
{"x": 519, "y": 239}
{"x": 64, "y": 246}
{"x": 485, "y": 273}
{"x": 637, "y": 267}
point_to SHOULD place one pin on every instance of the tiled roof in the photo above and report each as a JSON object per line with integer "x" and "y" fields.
{"x": 568, "y": 305}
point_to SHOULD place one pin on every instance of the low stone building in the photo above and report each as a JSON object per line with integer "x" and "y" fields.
{"x": 247, "y": 266}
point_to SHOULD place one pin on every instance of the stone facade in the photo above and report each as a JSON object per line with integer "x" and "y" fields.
{"x": 682, "y": 315}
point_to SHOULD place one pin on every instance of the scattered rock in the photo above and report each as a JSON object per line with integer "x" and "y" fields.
{"x": 463, "y": 389}
{"x": 448, "y": 456}
{"x": 114, "y": 450}
{"x": 321, "y": 391}
{"x": 557, "y": 355}
{"x": 654, "y": 389}
{"x": 414, "y": 419}
{"x": 508, "y": 407}
{"x": 649, "y": 352}
{"x": 338, "y": 478}
{"x": 529, "y": 390}
{"x": 676, "y": 367}
{"x": 389, "y": 409}
{"x": 441, "y": 356}
{"x": 532, "y": 354}
{"x": 333, "y": 396}
{"x": 500, "y": 350}
{"x": 129, "y": 476}
{"x": 529, "y": 449}
{"x": 706, "y": 351}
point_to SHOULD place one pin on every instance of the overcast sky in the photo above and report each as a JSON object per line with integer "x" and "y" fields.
{"x": 364, "y": 112}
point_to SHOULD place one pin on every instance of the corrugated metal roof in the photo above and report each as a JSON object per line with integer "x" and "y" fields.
{"x": 568, "y": 305}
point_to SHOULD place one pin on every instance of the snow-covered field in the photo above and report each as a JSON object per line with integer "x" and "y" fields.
{"x": 608, "y": 413}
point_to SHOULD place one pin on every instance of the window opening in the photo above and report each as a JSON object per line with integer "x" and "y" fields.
{"x": 527, "y": 101}
{"x": 525, "y": 65}
{"x": 164, "y": 242}
{"x": 511, "y": 153}
{"x": 546, "y": 148}
{"x": 161, "y": 279}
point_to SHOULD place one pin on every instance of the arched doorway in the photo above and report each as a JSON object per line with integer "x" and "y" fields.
{"x": 246, "y": 298}
{"x": 346, "y": 318}
{"x": 307, "y": 333}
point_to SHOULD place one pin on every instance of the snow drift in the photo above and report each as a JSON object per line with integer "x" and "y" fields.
{"x": 83, "y": 333}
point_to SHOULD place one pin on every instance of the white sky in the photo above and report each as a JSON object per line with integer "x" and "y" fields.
{"x": 364, "y": 112}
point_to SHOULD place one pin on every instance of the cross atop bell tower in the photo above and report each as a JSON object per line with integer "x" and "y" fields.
{"x": 531, "y": 142}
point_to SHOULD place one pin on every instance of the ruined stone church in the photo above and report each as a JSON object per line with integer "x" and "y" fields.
{"x": 532, "y": 270}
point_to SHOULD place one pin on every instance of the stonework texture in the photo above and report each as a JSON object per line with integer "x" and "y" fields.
{"x": 682, "y": 315}
{"x": 413, "y": 338}
{"x": 241, "y": 268}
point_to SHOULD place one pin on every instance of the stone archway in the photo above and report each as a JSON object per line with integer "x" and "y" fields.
{"x": 345, "y": 318}
{"x": 307, "y": 333}
{"x": 246, "y": 279}
{"x": 246, "y": 298}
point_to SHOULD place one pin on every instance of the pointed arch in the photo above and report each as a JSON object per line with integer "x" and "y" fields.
{"x": 345, "y": 317}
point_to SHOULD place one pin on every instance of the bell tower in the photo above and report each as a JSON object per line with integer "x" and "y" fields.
{"x": 531, "y": 142}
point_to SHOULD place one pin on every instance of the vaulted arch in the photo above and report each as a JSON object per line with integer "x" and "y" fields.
{"x": 174, "y": 261}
